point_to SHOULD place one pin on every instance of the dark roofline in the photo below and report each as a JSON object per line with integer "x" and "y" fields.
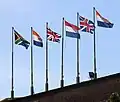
{"x": 73, "y": 86}
{"x": 8, "y": 99}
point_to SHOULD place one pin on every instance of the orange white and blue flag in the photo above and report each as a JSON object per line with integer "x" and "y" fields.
{"x": 103, "y": 22}
{"x": 37, "y": 40}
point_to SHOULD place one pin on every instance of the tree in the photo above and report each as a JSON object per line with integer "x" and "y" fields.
{"x": 114, "y": 97}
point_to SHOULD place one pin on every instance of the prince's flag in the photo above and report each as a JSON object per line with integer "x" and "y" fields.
{"x": 37, "y": 39}
{"x": 103, "y": 22}
{"x": 72, "y": 30}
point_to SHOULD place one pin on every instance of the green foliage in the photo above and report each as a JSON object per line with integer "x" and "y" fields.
{"x": 114, "y": 97}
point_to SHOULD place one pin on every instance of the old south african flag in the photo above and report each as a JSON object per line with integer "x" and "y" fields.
{"x": 19, "y": 40}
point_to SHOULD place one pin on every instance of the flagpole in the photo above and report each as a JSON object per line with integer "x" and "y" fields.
{"x": 78, "y": 66}
{"x": 32, "y": 87}
{"x": 95, "y": 73}
{"x": 62, "y": 74}
{"x": 46, "y": 84}
{"x": 12, "y": 80}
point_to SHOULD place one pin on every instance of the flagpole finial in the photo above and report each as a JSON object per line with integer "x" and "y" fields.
{"x": 12, "y": 27}
{"x": 46, "y": 25}
{"x": 78, "y": 18}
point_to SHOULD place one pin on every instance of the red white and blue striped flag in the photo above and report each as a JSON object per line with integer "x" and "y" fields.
{"x": 72, "y": 30}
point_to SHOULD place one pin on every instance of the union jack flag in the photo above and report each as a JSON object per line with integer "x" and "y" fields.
{"x": 53, "y": 36}
{"x": 86, "y": 25}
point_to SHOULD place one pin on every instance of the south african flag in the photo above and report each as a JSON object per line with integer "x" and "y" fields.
{"x": 19, "y": 40}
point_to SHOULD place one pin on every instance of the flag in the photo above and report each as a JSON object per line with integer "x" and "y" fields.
{"x": 103, "y": 22}
{"x": 19, "y": 40}
{"x": 37, "y": 40}
{"x": 86, "y": 25}
{"x": 53, "y": 36}
{"x": 72, "y": 30}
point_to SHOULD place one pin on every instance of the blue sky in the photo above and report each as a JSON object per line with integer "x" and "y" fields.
{"x": 22, "y": 14}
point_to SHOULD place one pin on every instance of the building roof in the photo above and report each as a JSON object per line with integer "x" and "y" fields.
{"x": 8, "y": 99}
{"x": 74, "y": 86}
